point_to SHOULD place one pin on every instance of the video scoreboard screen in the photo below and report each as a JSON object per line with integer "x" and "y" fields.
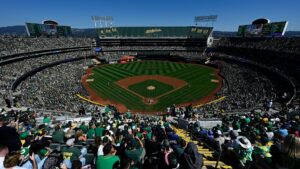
{"x": 64, "y": 30}
{"x": 269, "y": 29}
{"x": 37, "y": 30}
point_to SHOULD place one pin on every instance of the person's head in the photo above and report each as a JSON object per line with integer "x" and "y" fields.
{"x": 92, "y": 126}
{"x": 132, "y": 144}
{"x": 98, "y": 124}
{"x": 173, "y": 161}
{"x": 80, "y": 136}
{"x": 233, "y": 134}
{"x": 109, "y": 149}
{"x": 105, "y": 140}
{"x": 182, "y": 143}
{"x": 76, "y": 164}
{"x": 57, "y": 127}
{"x": 291, "y": 146}
{"x": 70, "y": 142}
{"x": 12, "y": 159}
{"x": 3, "y": 151}
{"x": 153, "y": 137}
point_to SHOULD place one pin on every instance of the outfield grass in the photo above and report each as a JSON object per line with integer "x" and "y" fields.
{"x": 198, "y": 78}
{"x": 141, "y": 88}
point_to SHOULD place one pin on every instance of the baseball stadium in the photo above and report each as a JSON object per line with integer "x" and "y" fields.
{"x": 164, "y": 94}
{"x": 150, "y": 85}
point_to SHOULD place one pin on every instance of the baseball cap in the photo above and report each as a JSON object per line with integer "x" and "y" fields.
{"x": 70, "y": 142}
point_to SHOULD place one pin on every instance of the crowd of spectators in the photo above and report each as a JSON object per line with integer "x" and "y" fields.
{"x": 244, "y": 89}
{"x": 268, "y": 140}
{"x": 112, "y": 140}
{"x": 136, "y": 48}
{"x": 55, "y": 88}
{"x": 15, "y": 44}
{"x": 107, "y": 141}
{"x": 281, "y": 55}
{"x": 14, "y": 70}
{"x": 287, "y": 45}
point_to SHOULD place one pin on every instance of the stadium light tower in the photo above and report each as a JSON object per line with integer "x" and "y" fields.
{"x": 102, "y": 21}
{"x": 205, "y": 19}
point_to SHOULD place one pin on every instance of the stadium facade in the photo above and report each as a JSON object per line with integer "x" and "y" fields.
{"x": 154, "y": 40}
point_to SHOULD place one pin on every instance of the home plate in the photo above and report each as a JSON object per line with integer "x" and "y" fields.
{"x": 89, "y": 80}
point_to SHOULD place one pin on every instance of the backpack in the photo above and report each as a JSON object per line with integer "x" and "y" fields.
{"x": 54, "y": 159}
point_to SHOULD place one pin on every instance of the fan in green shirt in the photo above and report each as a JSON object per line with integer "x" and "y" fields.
{"x": 83, "y": 127}
{"x": 99, "y": 130}
{"x": 91, "y": 132}
{"x": 58, "y": 135}
{"x": 46, "y": 120}
{"x": 109, "y": 160}
{"x": 70, "y": 152}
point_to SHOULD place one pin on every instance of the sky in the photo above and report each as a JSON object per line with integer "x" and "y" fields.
{"x": 77, "y": 13}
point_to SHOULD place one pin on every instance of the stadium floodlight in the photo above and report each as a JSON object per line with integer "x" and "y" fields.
{"x": 102, "y": 21}
{"x": 206, "y": 19}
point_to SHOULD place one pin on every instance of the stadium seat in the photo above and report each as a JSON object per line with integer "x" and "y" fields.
{"x": 78, "y": 146}
{"x": 90, "y": 141}
{"x": 54, "y": 146}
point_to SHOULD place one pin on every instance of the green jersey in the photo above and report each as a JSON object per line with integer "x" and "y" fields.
{"x": 107, "y": 162}
{"x": 71, "y": 153}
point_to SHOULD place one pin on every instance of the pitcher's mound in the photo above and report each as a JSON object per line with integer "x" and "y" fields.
{"x": 150, "y": 87}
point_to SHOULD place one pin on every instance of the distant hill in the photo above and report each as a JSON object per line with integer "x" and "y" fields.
{"x": 21, "y": 30}
{"x": 90, "y": 32}
{"x": 220, "y": 34}
{"x": 13, "y": 30}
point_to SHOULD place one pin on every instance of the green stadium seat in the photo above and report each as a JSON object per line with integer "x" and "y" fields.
{"x": 55, "y": 146}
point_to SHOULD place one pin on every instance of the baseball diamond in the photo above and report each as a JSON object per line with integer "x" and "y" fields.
{"x": 132, "y": 85}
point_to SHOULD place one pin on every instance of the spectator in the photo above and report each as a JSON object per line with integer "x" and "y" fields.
{"x": 109, "y": 160}
{"x": 243, "y": 150}
{"x": 3, "y": 152}
{"x": 290, "y": 152}
{"x": 135, "y": 151}
{"x": 71, "y": 153}
{"x": 91, "y": 131}
{"x": 58, "y": 135}
{"x": 99, "y": 130}
{"x": 190, "y": 158}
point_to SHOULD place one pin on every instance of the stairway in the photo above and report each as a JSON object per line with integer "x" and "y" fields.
{"x": 209, "y": 158}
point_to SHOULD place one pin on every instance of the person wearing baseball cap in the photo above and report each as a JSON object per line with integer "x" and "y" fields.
{"x": 244, "y": 150}
{"x": 70, "y": 153}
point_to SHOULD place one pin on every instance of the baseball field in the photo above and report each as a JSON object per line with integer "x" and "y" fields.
{"x": 151, "y": 86}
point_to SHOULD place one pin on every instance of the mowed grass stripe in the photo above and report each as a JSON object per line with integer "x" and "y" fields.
{"x": 121, "y": 70}
{"x": 116, "y": 94}
{"x": 118, "y": 73}
{"x": 185, "y": 95}
{"x": 99, "y": 73}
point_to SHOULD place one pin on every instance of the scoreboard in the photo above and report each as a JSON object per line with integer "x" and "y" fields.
{"x": 37, "y": 30}
{"x": 270, "y": 29}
